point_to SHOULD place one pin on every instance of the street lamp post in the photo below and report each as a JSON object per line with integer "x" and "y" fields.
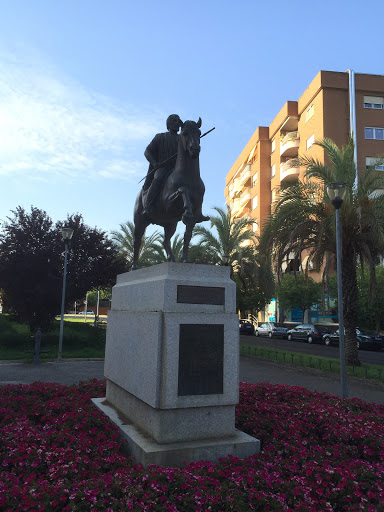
{"x": 67, "y": 235}
{"x": 336, "y": 192}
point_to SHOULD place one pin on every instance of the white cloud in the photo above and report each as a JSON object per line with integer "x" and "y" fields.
{"x": 52, "y": 127}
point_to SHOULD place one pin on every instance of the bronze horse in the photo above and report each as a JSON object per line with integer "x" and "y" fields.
{"x": 181, "y": 197}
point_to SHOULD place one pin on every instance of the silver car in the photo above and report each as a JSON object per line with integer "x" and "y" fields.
{"x": 272, "y": 330}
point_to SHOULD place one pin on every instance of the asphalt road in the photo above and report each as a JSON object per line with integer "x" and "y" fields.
{"x": 252, "y": 370}
{"x": 314, "y": 349}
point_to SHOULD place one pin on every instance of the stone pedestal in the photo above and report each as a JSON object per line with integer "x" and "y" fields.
{"x": 172, "y": 364}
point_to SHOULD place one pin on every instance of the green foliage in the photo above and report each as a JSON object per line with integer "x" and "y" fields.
{"x": 31, "y": 264}
{"x": 105, "y": 295}
{"x": 233, "y": 242}
{"x": 298, "y": 291}
{"x": 124, "y": 240}
{"x": 371, "y": 309}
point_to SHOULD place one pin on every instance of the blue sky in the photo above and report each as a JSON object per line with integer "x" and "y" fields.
{"x": 85, "y": 85}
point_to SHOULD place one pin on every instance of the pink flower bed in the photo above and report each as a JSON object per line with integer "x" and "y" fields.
{"x": 58, "y": 453}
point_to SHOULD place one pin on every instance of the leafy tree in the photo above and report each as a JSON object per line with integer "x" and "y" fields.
{"x": 31, "y": 264}
{"x": 124, "y": 240}
{"x": 93, "y": 260}
{"x": 371, "y": 310}
{"x": 298, "y": 291}
{"x": 104, "y": 297}
{"x": 304, "y": 218}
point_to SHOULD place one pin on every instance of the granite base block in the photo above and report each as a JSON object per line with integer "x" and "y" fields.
{"x": 146, "y": 451}
{"x": 172, "y": 425}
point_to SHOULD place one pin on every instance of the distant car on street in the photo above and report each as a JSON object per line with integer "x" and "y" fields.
{"x": 271, "y": 329}
{"x": 366, "y": 340}
{"x": 89, "y": 312}
{"x": 308, "y": 332}
{"x": 246, "y": 327}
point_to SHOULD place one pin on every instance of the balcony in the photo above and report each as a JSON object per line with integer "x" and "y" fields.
{"x": 245, "y": 197}
{"x": 235, "y": 206}
{"x": 289, "y": 171}
{"x": 245, "y": 175}
{"x": 289, "y": 145}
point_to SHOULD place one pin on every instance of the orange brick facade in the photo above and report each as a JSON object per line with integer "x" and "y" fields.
{"x": 323, "y": 110}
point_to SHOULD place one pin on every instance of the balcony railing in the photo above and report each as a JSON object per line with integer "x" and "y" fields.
{"x": 246, "y": 174}
{"x": 289, "y": 144}
{"x": 245, "y": 196}
{"x": 289, "y": 170}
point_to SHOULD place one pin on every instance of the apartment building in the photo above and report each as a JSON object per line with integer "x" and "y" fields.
{"x": 333, "y": 105}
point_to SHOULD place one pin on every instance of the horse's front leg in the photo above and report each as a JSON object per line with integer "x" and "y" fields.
{"x": 187, "y": 239}
{"x": 169, "y": 231}
{"x": 140, "y": 227}
{"x": 187, "y": 217}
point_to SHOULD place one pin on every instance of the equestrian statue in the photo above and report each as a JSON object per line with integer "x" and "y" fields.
{"x": 173, "y": 189}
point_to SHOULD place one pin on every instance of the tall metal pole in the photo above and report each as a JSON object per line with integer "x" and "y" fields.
{"x": 352, "y": 116}
{"x": 62, "y": 303}
{"x": 343, "y": 373}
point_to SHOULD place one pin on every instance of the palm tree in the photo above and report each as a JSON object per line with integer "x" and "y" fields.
{"x": 159, "y": 254}
{"x": 124, "y": 240}
{"x": 235, "y": 244}
{"x": 229, "y": 245}
{"x": 304, "y": 219}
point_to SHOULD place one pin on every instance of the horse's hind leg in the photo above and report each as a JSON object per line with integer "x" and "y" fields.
{"x": 169, "y": 231}
{"x": 140, "y": 228}
{"x": 187, "y": 239}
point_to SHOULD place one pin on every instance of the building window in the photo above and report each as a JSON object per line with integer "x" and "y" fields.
{"x": 374, "y": 133}
{"x": 371, "y": 162}
{"x": 254, "y": 203}
{"x": 273, "y": 146}
{"x": 254, "y": 179}
{"x": 309, "y": 113}
{"x": 374, "y": 102}
{"x": 310, "y": 141}
{"x": 273, "y": 170}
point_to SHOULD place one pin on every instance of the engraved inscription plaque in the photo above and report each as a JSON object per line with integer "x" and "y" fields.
{"x": 201, "y": 359}
{"x": 201, "y": 295}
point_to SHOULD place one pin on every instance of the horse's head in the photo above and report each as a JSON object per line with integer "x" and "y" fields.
{"x": 190, "y": 136}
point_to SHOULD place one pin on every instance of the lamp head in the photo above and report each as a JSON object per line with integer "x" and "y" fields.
{"x": 66, "y": 233}
{"x": 336, "y": 192}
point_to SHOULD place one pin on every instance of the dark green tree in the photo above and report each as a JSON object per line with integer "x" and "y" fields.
{"x": 31, "y": 264}
{"x": 371, "y": 308}
{"x": 298, "y": 291}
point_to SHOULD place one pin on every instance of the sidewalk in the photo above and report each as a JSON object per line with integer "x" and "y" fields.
{"x": 252, "y": 370}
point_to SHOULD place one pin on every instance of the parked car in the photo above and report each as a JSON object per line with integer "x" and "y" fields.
{"x": 271, "y": 329}
{"x": 246, "y": 327}
{"x": 366, "y": 340}
{"x": 308, "y": 332}
{"x": 89, "y": 312}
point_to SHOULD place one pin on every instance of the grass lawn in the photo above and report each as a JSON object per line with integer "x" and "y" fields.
{"x": 79, "y": 340}
{"x": 324, "y": 364}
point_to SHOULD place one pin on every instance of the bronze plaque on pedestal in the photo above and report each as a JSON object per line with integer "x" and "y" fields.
{"x": 201, "y": 359}
{"x": 201, "y": 294}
